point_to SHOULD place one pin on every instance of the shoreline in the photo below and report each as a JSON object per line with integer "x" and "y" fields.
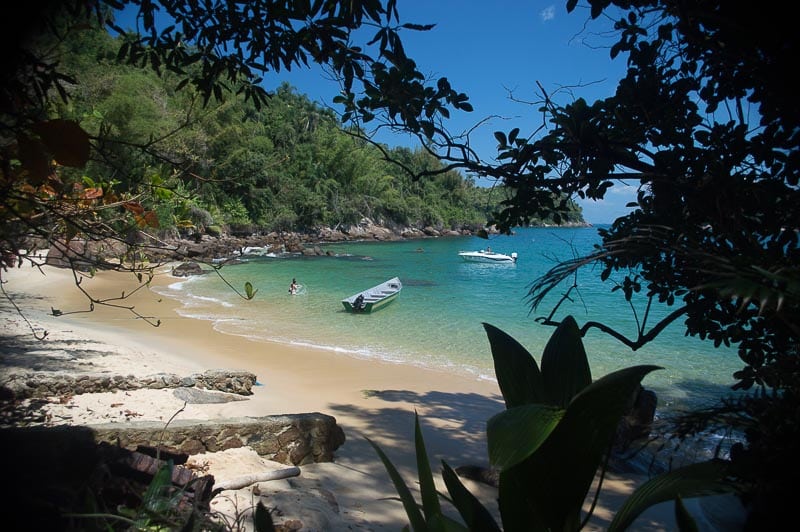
{"x": 369, "y": 398}
{"x": 281, "y": 369}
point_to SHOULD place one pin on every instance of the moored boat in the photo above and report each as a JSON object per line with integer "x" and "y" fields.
{"x": 374, "y": 298}
{"x": 487, "y": 256}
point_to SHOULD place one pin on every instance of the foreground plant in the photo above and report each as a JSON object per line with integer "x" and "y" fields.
{"x": 163, "y": 507}
{"x": 550, "y": 444}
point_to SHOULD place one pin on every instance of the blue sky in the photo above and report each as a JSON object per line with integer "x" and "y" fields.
{"x": 493, "y": 48}
{"x": 490, "y": 49}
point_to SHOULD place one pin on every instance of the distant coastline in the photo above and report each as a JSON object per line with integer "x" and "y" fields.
{"x": 212, "y": 246}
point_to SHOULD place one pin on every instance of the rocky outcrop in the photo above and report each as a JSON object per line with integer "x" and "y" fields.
{"x": 291, "y": 439}
{"x": 187, "y": 269}
{"x": 83, "y": 255}
{"x": 27, "y": 385}
{"x": 53, "y": 469}
{"x": 294, "y": 439}
{"x": 229, "y": 245}
{"x": 637, "y": 423}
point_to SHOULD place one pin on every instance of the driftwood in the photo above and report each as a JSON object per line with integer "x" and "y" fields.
{"x": 246, "y": 480}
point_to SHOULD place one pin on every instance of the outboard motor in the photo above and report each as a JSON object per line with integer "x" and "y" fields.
{"x": 358, "y": 304}
{"x": 514, "y": 256}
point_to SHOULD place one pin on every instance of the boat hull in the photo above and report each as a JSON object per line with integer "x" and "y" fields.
{"x": 369, "y": 307}
{"x": 374, "y": 298}
{"x": 488, "y": 257}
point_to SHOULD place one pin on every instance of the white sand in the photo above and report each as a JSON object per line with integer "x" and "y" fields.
{"x": 368, "y": 398}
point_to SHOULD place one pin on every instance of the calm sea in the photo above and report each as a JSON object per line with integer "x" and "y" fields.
{"x": 437, "y": 319}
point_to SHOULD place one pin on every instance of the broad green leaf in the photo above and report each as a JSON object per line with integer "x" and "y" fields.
{"x": 518, "y": 512}
{"x": 161, "y": 480}
{"x": 249, "y": 291}
{"x": 412, "y": 511}
{"x": 514, "y": 434}
{"x": 695, "y": 480}
{"x": 565, "y": 368}
{"x": 571, "y": 456}
{"x": 474, "y": 514}
{"x": 156, "y": 498}
{"x": 427, "y": 488}
{"x": 517, "y": 374}
{"x": 683, "y": 518}
{"x": 443, "y": 523}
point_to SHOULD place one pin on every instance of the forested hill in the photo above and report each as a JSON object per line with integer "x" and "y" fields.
{"x": 286, "y": 166}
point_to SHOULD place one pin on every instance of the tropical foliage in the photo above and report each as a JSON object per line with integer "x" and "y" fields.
{"x": 105, "y": 150}
{"x": 704, "y": 124}
{"x": 550, "y": 444}
{"x": 704, "y": 127}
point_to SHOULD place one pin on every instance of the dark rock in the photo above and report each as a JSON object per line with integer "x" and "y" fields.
{"x": 193, "y": 396}
{"x": 187, "y": 269}
{"x": 238, "y": 382}
{"x": 637, "y": 423}
{"x": 84, "y": 255}
{"x": 46, "y": 384}
{"x": 294, "y": 439}
{"x": 56, "y": 469}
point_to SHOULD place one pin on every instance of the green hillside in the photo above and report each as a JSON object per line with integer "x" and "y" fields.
{"x": 288, "y": 165}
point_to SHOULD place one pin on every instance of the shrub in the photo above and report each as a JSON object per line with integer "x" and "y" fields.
{"x": 549, "y": 445}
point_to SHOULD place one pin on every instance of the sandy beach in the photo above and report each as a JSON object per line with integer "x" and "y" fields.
{"x": 369, "y": 399}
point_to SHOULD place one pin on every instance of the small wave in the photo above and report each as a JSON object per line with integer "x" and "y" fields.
{"x": 183, "y": 282}
{"x": 300, "y": 291}
{"x": 192, "y": 301}
{"x": 211, "y": 300}
{"x": 256, "y": 250}
{"x": 240, "y": 327}
{"x": 186, "y": 313}
{"x": 179, "y": 291}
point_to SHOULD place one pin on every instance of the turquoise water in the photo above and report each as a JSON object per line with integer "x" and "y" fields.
{"x": 437, "y": 319}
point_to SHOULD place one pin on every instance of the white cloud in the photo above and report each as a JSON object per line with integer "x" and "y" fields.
{"x": 548, "y": 13}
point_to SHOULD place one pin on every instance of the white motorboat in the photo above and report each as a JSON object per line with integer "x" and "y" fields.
{"x": 487, "y": 256}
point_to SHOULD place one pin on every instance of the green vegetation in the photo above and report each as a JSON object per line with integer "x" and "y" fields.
{"x": 706, "y": 129}
{"x": 704, "y": 124}
{"x": 164, "y": 507}
{"x": 549, "y": 445}
{"x": 235, "y": 165}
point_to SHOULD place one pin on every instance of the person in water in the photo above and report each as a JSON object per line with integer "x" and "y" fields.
{"x": 293, "y": 287}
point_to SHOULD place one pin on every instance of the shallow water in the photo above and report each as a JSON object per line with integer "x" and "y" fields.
{"x": 437, "y": 319}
